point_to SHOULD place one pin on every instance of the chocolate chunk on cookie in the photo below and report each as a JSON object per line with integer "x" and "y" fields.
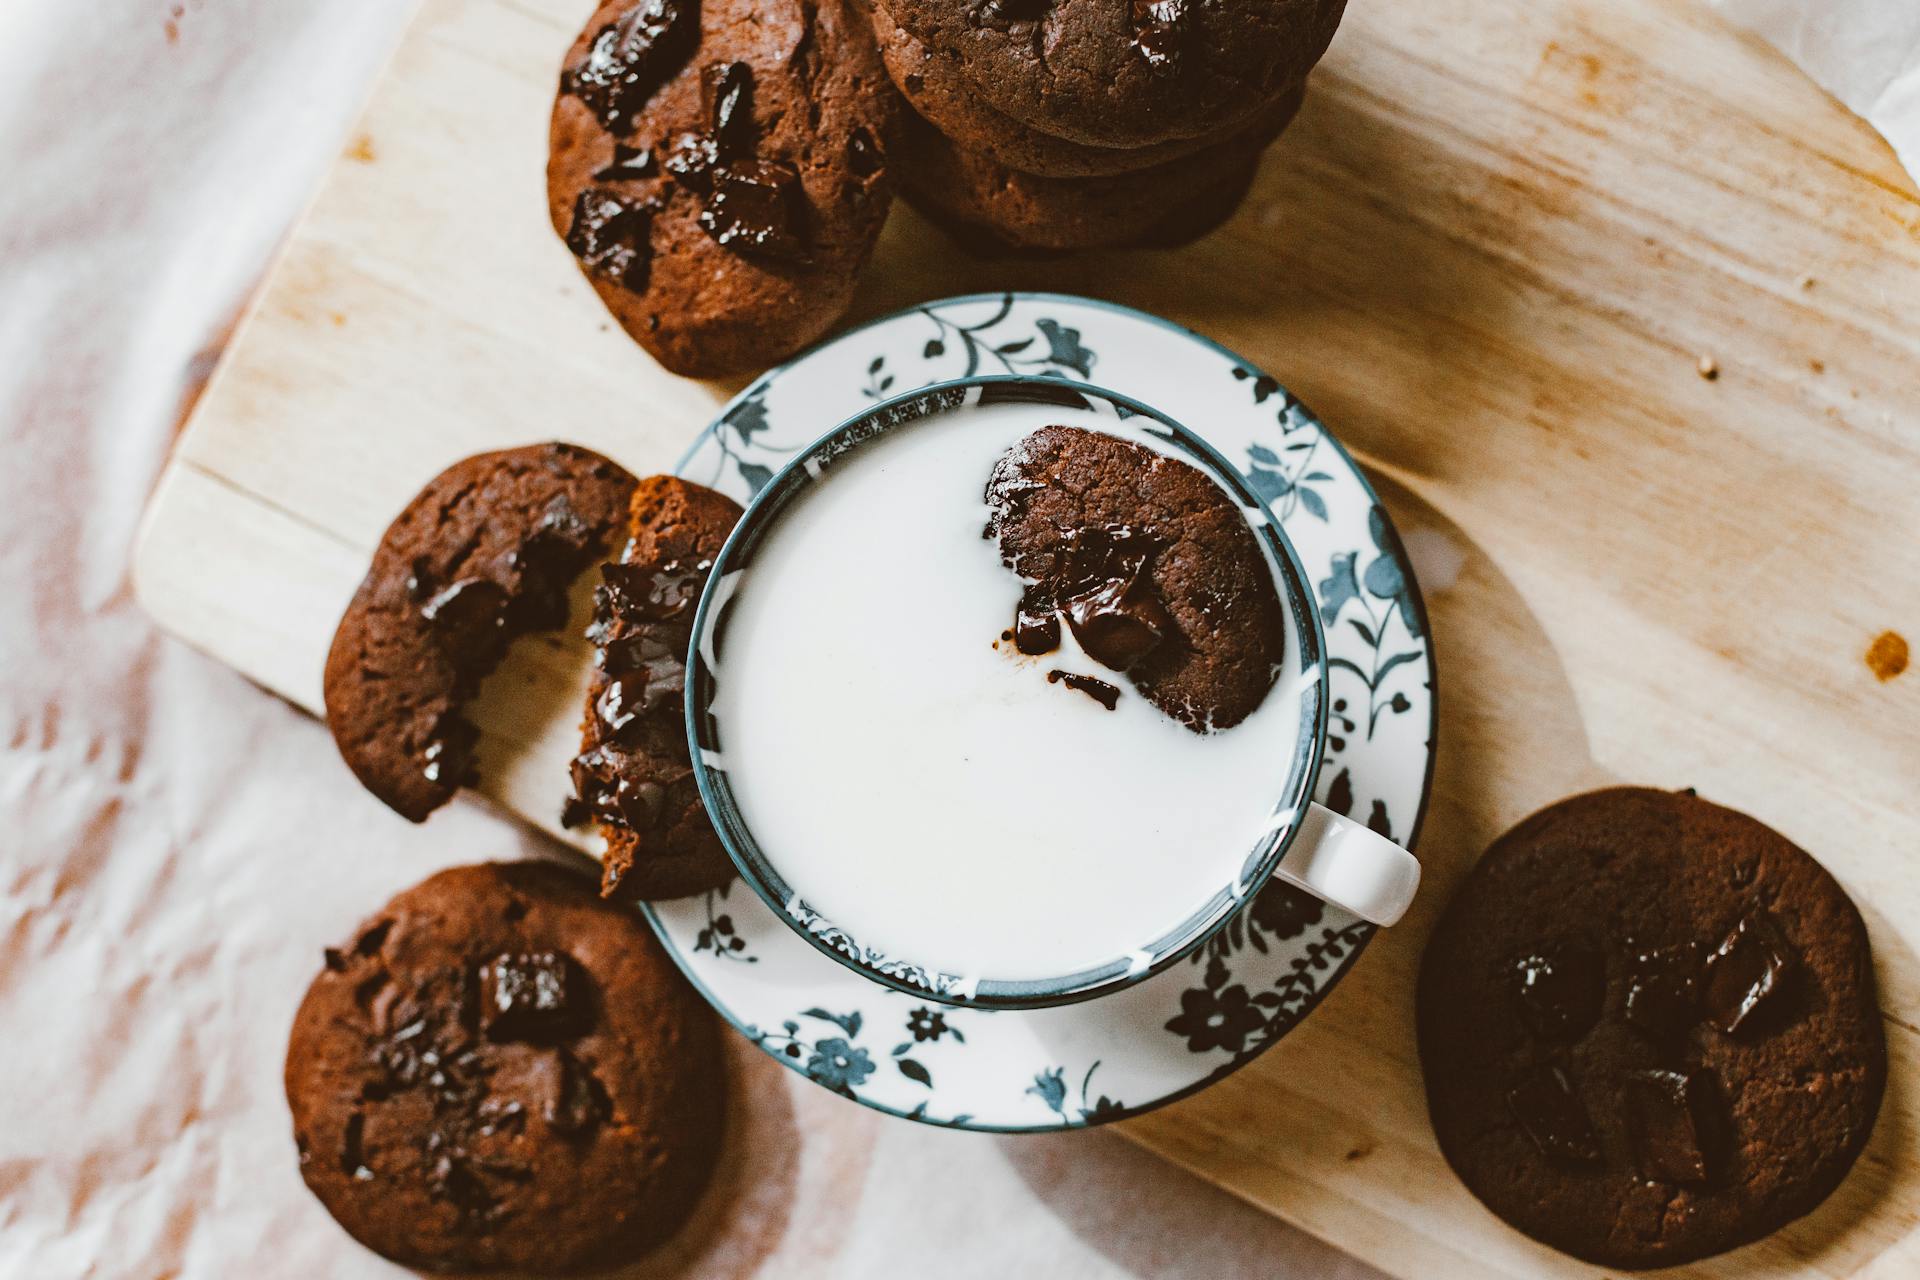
{"x": 1124, "y": 73}
{"x": 633, "y": 778}
{"x": 501, "y": 1071}
{"x": 1148, "y": 562}
{"x": 1649, "y": 1029}
{"x": 719, "y": 170}
{"x": 936, "y": 88}
{"x": 483, "y": 555}
{"x": 991, "y": 207}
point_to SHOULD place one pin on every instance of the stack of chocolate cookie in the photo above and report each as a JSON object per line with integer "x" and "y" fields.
{"x": 1078, "y": 124}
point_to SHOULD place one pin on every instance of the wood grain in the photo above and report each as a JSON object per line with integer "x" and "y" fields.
{"x": 1491, "y": 254}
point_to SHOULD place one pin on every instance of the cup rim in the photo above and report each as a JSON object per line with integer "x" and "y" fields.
{"x": 789, "y": 483}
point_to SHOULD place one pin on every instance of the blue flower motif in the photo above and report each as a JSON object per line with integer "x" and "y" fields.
{"x": 1216, "y": 1020}
{"x": 838, "y": 1065}
{"x": 1384, "y": 577}
{"x": 1339, "y": 586}
{"x": 1284, "y": 911}
{"x": 1064, "y": 349}
{"x": 1051, "y": 1088}
{"x": 928, "y": 1024}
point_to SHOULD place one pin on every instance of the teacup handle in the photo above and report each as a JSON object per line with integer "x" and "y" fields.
{"x": 1351, "y": 866}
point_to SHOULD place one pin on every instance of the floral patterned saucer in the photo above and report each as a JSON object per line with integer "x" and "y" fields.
{"x": 1045, "y": 1069}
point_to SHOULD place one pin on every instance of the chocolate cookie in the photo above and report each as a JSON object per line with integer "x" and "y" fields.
{"x": 1150, "y": 564}
{"x": 633, "y": 778}
{"x": 720, "y": 171}
{"x": 501, "y": 1071}
{"x": 991, "y": 207}
{"x": 1125, "y": 73}
{"x": 938, "y": 91}
{"x": 1649, "y": 1029}
{"x": 483, "y": 555}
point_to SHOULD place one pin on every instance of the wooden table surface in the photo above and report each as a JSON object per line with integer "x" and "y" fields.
{"x": 1495, "y": 253}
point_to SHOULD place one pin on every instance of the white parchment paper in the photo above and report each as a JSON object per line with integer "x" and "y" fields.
{"x": 176, "y": 847}
{"x": 1864, "y": 52}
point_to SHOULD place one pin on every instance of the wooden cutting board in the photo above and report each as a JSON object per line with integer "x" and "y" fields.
{"x": 1493, "y": 254}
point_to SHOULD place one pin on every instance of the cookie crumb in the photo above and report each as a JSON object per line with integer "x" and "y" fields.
{"x": 1806, "y": 282}
{"x": 1887, "y": 656}
{"x": 1709, "y": 368}
{"x": 1818, "y": 366}
{"x": 362, "y": 149}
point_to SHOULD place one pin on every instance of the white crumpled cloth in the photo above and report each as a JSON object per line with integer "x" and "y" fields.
{"x": 176, "y": 846}
{"x": 1864, "y": 52}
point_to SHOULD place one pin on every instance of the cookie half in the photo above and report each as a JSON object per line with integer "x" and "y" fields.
{"x": 501, "y": 1071}
{"x": 481, "y": 556}
{"x": 1649, "y": 1029}
{"x": 720, "y": 171}
{"x": 633, "y": 779}
{"x": 1151, "y": 565}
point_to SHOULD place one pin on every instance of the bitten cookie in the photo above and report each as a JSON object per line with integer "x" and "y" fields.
{"x": 1148, "y": 562}
{"x": 990, "y": 206}
{"x": 938, "y": 91}
{"x": 500, "y": 1071}
{"x": 720, "y": 171}
{"x": 1649, "y": 1029}
{"x": 633, "y": 778}
{"x": 483, "y": 555}
{"x": 1125, "y": 73}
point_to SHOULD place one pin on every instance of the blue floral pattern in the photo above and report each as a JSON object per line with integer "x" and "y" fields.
{"x": 1269, "y": 967}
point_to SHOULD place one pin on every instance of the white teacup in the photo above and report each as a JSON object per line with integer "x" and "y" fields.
{"x": 880, "y": 777}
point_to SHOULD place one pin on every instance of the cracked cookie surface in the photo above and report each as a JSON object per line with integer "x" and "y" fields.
{"x": 483, "y": 555}
{"x": 1649, "y": 1029}
{"x": 720, "y": 171}
{"x": 1120, "y": 73}
{"x": 1149, "y": 561}
{"x": 633, "y": 778}
{"x": 499, "y": 1070}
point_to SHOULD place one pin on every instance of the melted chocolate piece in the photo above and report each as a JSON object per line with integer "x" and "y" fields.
{"x": 353, "y": 1159}
{"x": 1550, "y": 1112}
{"x": 1159, "y": 31}
{"x": 612, "y": 237}
{"x": 629, "y": 164}
{"x": 618, "y": 706}
{"x": 1747, "y": 968}
{"x": 600, "y": 783}
{"x": 630, "y": 58}
{"x": 1559, "y": 990}
{"x": 1036, "y": 630}
{"x": 576, "y": 1101}
{"x": 1122, "y": 620}
{"x": 1664, "y": 1124}
{"x": 448, "y": 754}
{"x": 632, "y": 594}
{"x": 863, "y": 154}
{"x": 420, "y": 580}
{"x": 998, "y": 15}
{"x": 468, "y": 619}
{"x": 1662, "y": 982}
{"x": 690, "y": 160}
{"x": 754, "y": 209}
{"x": 627, "y": 655}
{"x": 727, "y": 90}
{"x": 538, "y": 996}
{"x": 1099, "y": 690}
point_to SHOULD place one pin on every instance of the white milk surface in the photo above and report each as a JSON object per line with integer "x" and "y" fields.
{"x": 934, "y": 795}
